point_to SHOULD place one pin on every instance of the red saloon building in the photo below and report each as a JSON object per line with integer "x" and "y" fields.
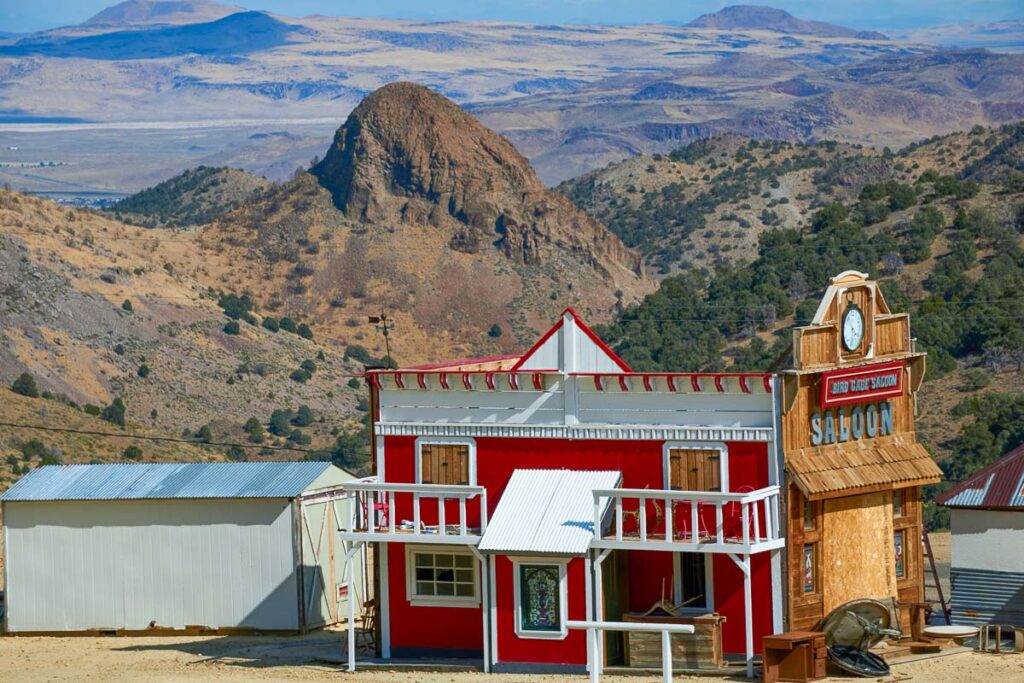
{"x": 516, "y": 494}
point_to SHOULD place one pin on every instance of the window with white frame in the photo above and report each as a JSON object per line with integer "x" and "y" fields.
{"x": 695, "y": 581}
{"x": 441, "y": 577}
{"x": 695, "y": 466}
{"x": 450, "y": 462}
{"x": 541, "y": 598}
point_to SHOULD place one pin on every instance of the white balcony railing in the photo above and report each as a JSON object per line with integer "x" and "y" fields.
{"x": 743, "y": 522}
{"x": 374, "y": 516}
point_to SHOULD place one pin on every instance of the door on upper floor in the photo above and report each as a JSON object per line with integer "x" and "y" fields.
{"x": 695, "y": 469}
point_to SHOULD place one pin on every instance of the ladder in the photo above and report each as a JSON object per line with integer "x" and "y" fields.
{"x": 934, "y": 576}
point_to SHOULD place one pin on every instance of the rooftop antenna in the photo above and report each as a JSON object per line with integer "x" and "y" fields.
{"x": 384, "y": 325}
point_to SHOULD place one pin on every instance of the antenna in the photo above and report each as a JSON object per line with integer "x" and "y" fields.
{"x": 384, "y": 325}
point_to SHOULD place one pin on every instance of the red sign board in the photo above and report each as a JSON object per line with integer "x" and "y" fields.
{"x": 862, "y": 385}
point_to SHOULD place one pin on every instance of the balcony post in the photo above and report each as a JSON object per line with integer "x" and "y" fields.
{"x": 643, "y": 518}
{"x": 670, "y": 511}
{"x": 745, "y": 513}
{"x": 441, "y": 521}
{"x": 391, "y": 511}
{"x": 416, "y": 513}
{"x": 462, "y": 515}
{"x": 483, "y": 511}
{"x": 757, "y": 521}
{"x": 618, "y": 518}
{"x": 694, "y": 519}
{"x": 719, "y": 523}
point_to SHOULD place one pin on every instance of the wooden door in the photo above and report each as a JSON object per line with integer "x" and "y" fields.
{"x": 695, "y": 469}
{"x": 444, "y": 464}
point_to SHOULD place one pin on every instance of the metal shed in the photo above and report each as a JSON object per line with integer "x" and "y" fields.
{"x": 152, "y": 547}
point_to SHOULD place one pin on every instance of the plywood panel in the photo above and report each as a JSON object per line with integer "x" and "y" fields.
{"x": 857, "y": 549}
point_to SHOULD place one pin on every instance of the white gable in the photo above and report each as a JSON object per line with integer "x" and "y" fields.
{"x": 570, "y": 347}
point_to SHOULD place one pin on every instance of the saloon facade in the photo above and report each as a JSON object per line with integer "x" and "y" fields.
{"x": 517, "y": 494}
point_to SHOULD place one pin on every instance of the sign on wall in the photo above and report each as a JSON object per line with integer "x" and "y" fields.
{"x": 862, "y": 385}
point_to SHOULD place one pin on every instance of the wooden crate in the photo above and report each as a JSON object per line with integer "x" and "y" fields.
{"x": 700, "y": 650}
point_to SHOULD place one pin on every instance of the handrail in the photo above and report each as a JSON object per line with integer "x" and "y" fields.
{"x": 674, "y": 494}
{"x": 451, "y": 490}
{"x": 377, "y": 505}
{"x": 593, "y": 651}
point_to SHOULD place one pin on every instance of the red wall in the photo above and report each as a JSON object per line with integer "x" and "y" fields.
{"x": 453, "y": 628}
{"x": 641, "y": 465}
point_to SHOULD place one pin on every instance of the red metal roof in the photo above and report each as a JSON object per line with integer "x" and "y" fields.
{"x": 1000, "y": 485}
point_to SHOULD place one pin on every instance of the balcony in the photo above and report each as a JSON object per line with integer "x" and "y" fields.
{"x": 688, "y": 521}
{"x": 415, "y": 513}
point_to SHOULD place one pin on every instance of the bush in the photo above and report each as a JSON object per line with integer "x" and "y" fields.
{"x": 308, "y": 365}
{"x": 288, "y": 325}
{"x": 91, "y": 409}
{"x": 33, "y": 449}
{"x": 976, "y": 378}
{"x": 205, "y": 434}
{"x": 235, "y": 307}
{"x": 359, "y": 353}
{"x": 354, "y": 383}
{"x": 303, "y": 417}
{"x": 127, "y": 306}
{"x": 143, "y": 370}
{"x": 280, "y": 422}
{"x": 271, "y": 324}
{"x": 232, "y": 327}
{"x": 119, "y": 349}
{"x": 114, "y": 413}
{"x": 495, "y": 331}
{"x": 304, "y": 331}
{"x": 297, "y": 437}
{"x": 26, "y": 385}
{"x": 300, "y": 376}
{"x": 132, "y": 453}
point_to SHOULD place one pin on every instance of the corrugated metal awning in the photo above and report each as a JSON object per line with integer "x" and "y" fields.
{"x": 547, "y": 511}
{"x": 166, "y": 481}
{"x": 854, "y": 467}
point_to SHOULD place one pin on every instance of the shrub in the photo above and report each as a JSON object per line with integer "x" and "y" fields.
{"x": 232, "y": 327}
{"x": 495, "y": 331}
{"x": 205, "y": 434}
{"x": 354, "y": 383}
{"x": 91, "y": 409}
{"x": 235, "y": 307}
{"x": 300, "y": 376}
{"x": 304, "y": 331}
{"x": 127, "y": 306}
{"x": 119, "y": 349}
{"x": 143, "y": 370}
{"x": 114, "y": 413}
{"x": 308, "y": 365}
{"x": 298, "y": 437}
{"x": 359, "y": 353}
{"x": 303, "y": 417}
{"x": 33, "y": 449}
{"x": 132, "y": 453}
{"x": 280, "y": 422}
{"x": 288, "y": 325}
{"x": 976, "y": 378}
{"x": 271, "y": 324}
{"x": 26, "y": 385}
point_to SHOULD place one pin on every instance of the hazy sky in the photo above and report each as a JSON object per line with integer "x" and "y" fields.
{"x": 34, "y": 15}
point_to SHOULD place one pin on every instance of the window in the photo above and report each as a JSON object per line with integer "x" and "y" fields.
{"x": 540, "y": 594}
{"x": 696, "y": 467}
{"x": 810, "y": 518}
{"x": 441, "y": 577}
{"x": 450, "y": 462}
{"x": 810, "y": 566}
{"x": 901, "y": 559}
{"x": 694, "y": 581}
{"x": 897, "y": 503}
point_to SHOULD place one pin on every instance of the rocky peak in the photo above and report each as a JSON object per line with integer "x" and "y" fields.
{"x": 407, "y": 155}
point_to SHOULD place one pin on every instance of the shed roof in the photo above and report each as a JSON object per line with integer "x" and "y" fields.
{"x": 547, "y": 511}
{"x": 1000, "y": 485}
{"x": 855, "y": 467}
{"x": 167, "y": 481}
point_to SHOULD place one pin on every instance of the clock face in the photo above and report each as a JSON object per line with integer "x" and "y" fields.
{"x": 853, "y": 328}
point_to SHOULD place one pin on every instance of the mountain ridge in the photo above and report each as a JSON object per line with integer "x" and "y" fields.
{"x": 768, "y": 18}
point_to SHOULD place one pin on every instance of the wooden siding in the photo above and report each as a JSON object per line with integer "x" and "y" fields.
{"x": 805, "y": 609}
{"x": 892, "y": 335}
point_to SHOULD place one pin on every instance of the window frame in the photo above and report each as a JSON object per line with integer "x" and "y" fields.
{"x": 445, "y": 441}
{"x": 719, "y": 446}
{"x": 709, "y": 583}
{"x": 563, "y": 597}
{"x": 439, "y": 600}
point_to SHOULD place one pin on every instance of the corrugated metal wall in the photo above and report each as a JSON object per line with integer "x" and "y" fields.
{"x": 987, "y": 597}
{"x": 124, "y": 564}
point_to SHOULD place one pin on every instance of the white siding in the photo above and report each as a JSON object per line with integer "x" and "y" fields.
{"x": 124, "y": 564}
{"x": 988, "y": 539}
{"x": 525, "y": 406}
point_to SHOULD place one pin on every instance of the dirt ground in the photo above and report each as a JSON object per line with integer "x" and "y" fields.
{"x": 202, "y": 659}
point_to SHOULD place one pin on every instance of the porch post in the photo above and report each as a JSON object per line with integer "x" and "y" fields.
{"x": 599, "y": 611}
{"x": 493, "y": 609}
{"x": 589, "y": 593}
{"x": 350, "y": 578}
{"x": 485, "y": 606}
{"x": 748, "y": 616}
{"x": 384, "y": 601}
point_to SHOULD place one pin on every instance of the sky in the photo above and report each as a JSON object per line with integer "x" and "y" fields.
{"x": 18, "y": 16}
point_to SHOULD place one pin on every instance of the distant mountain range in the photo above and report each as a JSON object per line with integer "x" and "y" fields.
{"x": 165, "y": 12}
{"x": 764, "y": 18}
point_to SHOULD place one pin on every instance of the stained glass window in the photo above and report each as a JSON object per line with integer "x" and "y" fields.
{"x": 901, "y": 560}
{"x": 809, "y": 568}
{"x": 443, "y": 575}
{"x": 539, "y": 598}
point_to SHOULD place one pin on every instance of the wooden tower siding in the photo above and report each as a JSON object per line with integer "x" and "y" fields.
{"x": 841, "y": 494}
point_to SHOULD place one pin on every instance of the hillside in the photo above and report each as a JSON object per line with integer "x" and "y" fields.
{"x": 194, "y": 197}
{"x": 765, "y": 18}
{"x": 416, "y": 200}
{"x": 96, "y": 311}
{"x": 144, "y": 12}
{"x": 940, "y": 223}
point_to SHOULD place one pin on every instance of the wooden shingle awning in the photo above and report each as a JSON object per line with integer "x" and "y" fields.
{"x": 857, "y": 467}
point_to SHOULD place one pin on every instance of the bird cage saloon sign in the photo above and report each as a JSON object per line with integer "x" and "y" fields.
{"x": 854, "y": 403}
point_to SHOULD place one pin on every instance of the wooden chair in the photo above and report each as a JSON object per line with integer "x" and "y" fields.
{"x": 366, "y": 633}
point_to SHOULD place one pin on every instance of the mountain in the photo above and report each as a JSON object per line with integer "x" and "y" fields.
{"x": 235, "y": 34}
{"x": 419, "y": 210}
{"x": 162, "y": 12}
{"x": 194, "y": 197}
{"x": 407, "y": 154}
{"x": 760, "y": 17}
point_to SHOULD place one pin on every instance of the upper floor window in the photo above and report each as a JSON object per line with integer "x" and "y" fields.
{"x": 448, "y": 462}
{"x": 695, "y": 468}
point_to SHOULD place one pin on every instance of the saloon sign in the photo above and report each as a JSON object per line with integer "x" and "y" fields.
{"x": 862, "y": 385}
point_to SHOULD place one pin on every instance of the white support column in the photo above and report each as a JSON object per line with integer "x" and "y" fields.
{"x": 666, "y": 657}
{"x": 599, "y": 608}
{"x": 350, "y": 579}
{"x": 485, "y": 608}
{"x": 384, "y": 600}
{"x": 493, "y": 608}
{"x": 748, "y": 618}
{"x": 777, "y": 588}
{"x": 589, "y": 594}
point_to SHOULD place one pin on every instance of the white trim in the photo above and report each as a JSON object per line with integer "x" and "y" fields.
{"x": 563, "y": 601}
{"x": 492, "y": 607}
{"x": 439, "y": 600}
{"x": 449, "y": 441}
{"x": 723, "y": 460}
{"x": 617, "y": 433}
{"x": 384, "y": 600}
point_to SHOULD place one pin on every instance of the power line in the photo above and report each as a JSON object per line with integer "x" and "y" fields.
{"x": 148, "y": 437}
